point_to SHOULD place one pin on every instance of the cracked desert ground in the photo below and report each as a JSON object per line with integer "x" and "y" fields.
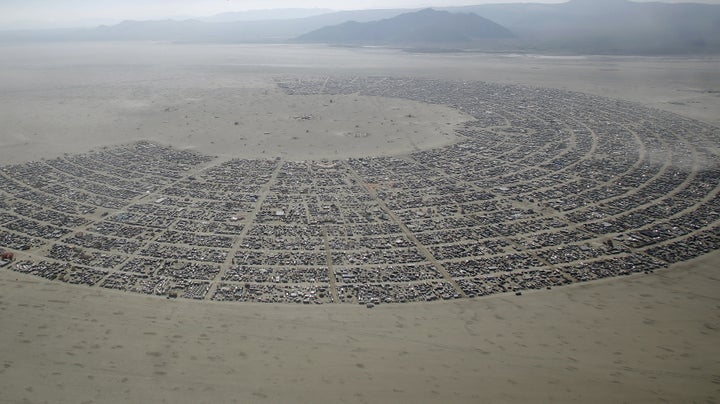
{"x": 643, "y": 338}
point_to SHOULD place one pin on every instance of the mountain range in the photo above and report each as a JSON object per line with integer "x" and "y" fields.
{"x": 577, "y": 26}
{"x": 425, "y": 27}
{"x": 269, "y": 14}
{"x": 610, "y": 26}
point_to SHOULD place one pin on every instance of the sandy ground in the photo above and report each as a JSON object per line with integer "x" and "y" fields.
{"x": 647, "y": 338}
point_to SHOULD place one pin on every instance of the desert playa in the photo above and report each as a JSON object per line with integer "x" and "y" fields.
{"x": 645, "y": 337}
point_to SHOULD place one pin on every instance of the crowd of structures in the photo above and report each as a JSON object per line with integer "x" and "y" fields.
{"x": 544, "y": 188}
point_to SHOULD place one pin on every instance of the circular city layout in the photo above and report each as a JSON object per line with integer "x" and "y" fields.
{"x": 539, "y": 188}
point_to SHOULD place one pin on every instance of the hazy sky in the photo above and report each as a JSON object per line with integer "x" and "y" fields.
{"x": 67, "y": 12}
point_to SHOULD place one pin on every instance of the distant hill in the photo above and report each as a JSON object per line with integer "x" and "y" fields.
{"x": 422, "y": 27}
{"x": 264, "y": 15}
{"x": 609, "y": 26}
